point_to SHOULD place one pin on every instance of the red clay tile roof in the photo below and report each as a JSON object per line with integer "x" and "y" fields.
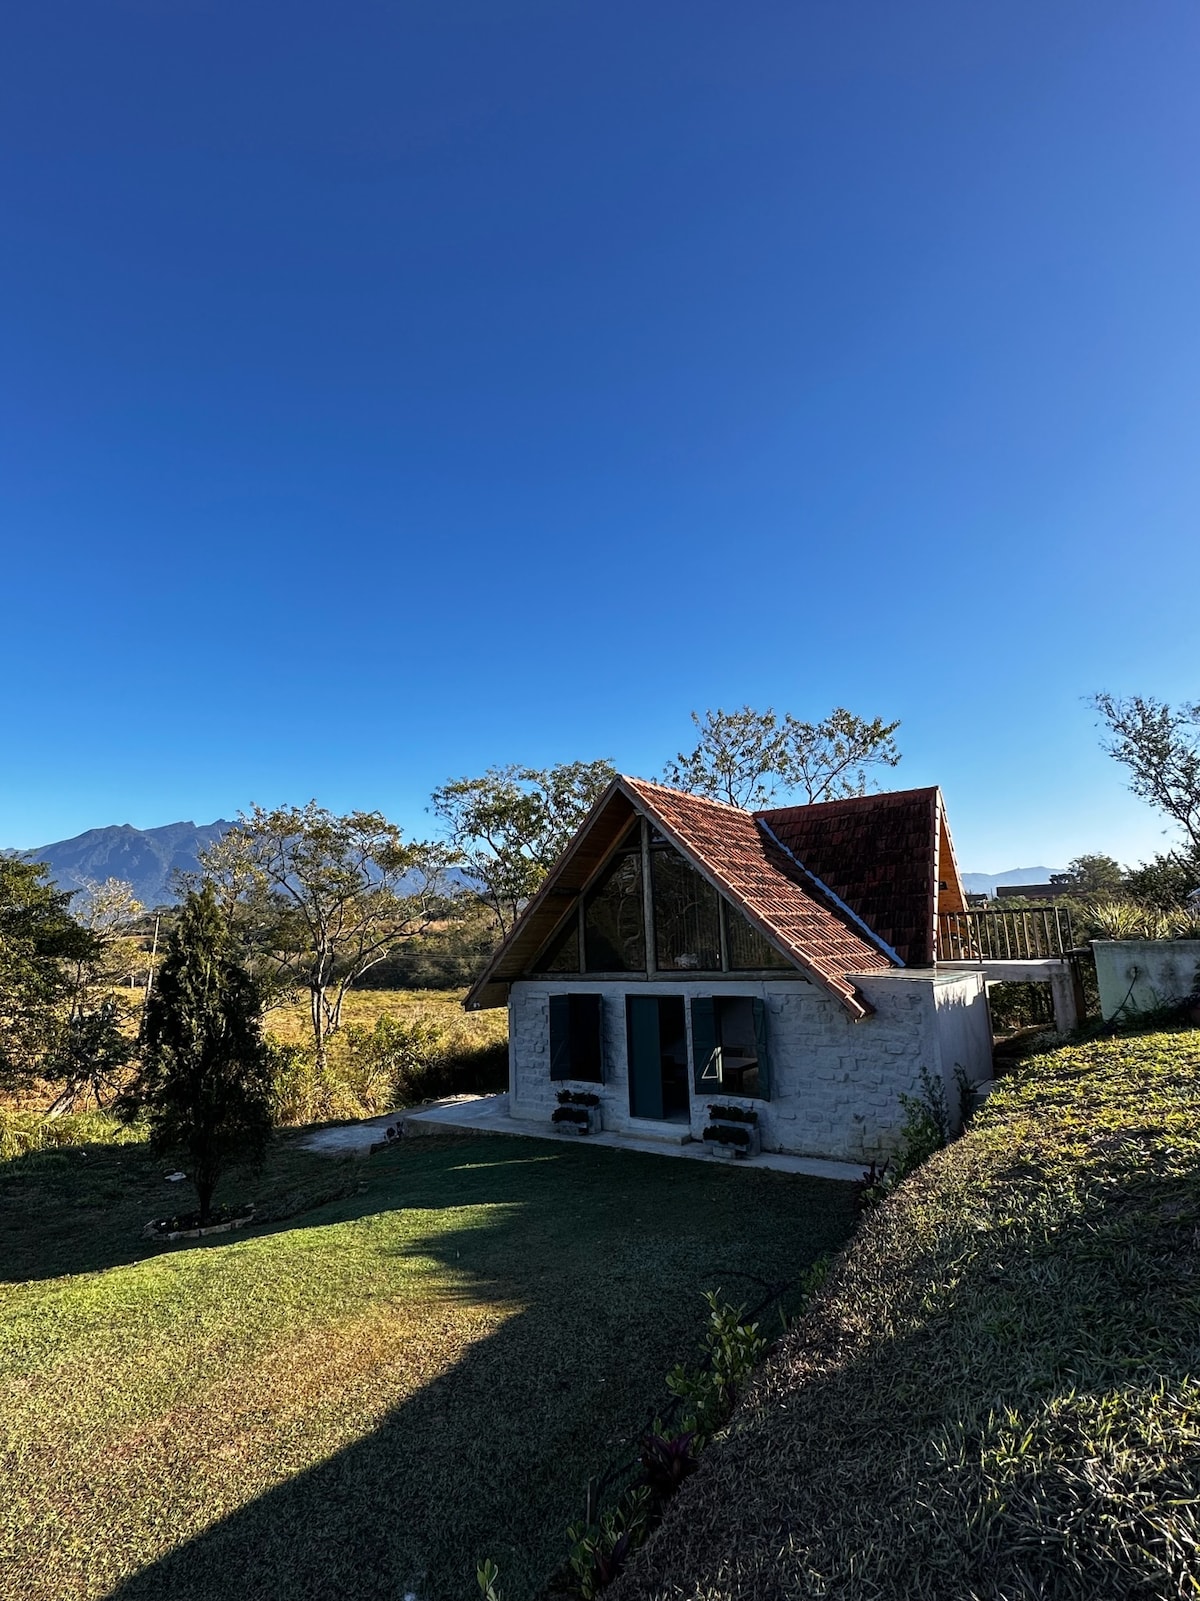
{"x": 762, "y": 880}
{"x": 879, "y": 854}
{"x": 788, "y": 871}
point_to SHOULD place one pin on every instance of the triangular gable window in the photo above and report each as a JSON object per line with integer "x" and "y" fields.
{"x": 696, "y": 930}
{"x": 687, "y": 914}
{"x": 561, "y": 955}
{"x": 748, "y": 949}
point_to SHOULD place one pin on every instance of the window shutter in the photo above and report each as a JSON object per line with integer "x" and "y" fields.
{"x": 760, "y": 1040}
{"x": 560, "y": 1036}
{"x": 704, "y": 1045}
{"x": 586, "y": 1050}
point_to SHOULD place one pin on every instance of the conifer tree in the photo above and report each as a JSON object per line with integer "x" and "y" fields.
{"x": 205, "y": 1076}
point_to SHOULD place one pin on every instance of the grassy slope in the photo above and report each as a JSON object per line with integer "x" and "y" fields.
{"x": 996, "y": 1395}
{"x": 363, "y": 1399}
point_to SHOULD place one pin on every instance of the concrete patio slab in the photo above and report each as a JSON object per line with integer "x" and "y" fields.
{"x": 488, "y": 1114}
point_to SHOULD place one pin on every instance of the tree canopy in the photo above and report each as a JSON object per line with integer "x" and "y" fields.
{"x": 41, "y": 945}
{"x": 321, "y": 899}
{"x": 508, "y": 826}
{"x": 749, "y": 758}
{"x": 1159, "y": 745}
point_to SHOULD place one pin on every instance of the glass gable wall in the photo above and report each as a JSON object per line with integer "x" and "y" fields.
{"x": 614, "y": 934}
{"x": 690, "y": 919}
{"x": 687, "y": 915}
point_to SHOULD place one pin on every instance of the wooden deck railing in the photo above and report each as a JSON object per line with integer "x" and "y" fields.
{"x": 1004, "y": 936}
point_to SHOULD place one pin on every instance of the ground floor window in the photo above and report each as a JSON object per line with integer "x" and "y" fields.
{"x": 576, "y": 1039}
{"x": 729, "y": 1046}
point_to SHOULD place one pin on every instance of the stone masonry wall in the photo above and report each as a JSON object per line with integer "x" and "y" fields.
{"x": 836, "y": 1083}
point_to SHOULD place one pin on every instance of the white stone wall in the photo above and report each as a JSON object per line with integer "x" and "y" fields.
{"x": 835, "y": 1083}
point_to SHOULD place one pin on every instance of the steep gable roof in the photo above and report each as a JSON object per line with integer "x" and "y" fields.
{"x": 740, "y": 855}
{"x": 885, "y": 856}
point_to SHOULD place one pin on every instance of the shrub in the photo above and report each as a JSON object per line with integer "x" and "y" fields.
{"x": 722, "y": 1134}
{"x": 733, "y": 1114}
{"x": 926, "y": 1126}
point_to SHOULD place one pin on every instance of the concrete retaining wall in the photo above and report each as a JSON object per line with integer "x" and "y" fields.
{"x": 1140, "y": 975}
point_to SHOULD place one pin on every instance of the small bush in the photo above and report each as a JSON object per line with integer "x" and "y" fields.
{"x": 926, "y": 1126}
{"x": 733, "y": 1114}
{"x": 722, "y": 1134}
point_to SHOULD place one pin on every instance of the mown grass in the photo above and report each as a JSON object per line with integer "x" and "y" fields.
{"x": 421, "y": 1365}
{"x": 998, "y": 1393}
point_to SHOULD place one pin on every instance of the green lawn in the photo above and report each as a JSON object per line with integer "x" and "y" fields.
{"x": 420, "y": 1361}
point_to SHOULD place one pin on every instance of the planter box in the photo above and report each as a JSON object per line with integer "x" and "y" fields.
{"x": 150, "y": 1232}
{"x": 592, "y": 1126}
{"x": 1142, "y": 975}
{"x": 725, "y": 1153}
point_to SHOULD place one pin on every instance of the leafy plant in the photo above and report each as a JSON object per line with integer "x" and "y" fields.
{"x": 577, "y": 1098}
{"x": 667, "y": 1460}
{"x": 731, "y": 1349}
{"x": 598, "y": 1551}
{"x": 733, "y": 1114}
{"x": 486, "y": 1575}
{"x": 873, "y": 1187}
{"x": 926, "y": 1126}
{"x": 722, "y": 1134}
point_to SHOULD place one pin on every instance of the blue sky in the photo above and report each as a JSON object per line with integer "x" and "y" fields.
{"x": 391, "y": 389}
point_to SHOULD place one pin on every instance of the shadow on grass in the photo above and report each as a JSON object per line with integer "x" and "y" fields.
{"x": 1021, "y": 1422}
{"x": 82, "y": 1208}
{"x": 595, "y": 1260}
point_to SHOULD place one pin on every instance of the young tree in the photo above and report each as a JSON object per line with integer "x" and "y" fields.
{"x": 321, "y": 899}
{"x": 1095, "y": 874}
{"x": 1165, "y": 880}
{"x": 747, "y": 758}
{"x": 41, "y": 947}
{"x": 1160, "y": 746}
{"x": 205, "y": 1076}
{"x": 508, "y": 826}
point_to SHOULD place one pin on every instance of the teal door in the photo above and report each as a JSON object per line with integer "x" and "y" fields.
{"x": 645, "y": 1056}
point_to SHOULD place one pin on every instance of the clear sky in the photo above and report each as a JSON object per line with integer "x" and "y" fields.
{"x": 388, "y": 389}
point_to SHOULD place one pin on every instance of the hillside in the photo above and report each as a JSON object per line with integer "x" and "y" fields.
{"x": 995, "y": 1395}
{"x": 986, "y": 883}
{"x": 144, "y": 857}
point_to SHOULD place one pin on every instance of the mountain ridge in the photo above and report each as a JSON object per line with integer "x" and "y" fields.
{"x": 146, "y": 858}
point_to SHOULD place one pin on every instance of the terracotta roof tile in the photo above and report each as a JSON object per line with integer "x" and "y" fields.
{"x": 878, "y": 853}
{"x": 839, "y": 886}
{"x": 764, "y": 882}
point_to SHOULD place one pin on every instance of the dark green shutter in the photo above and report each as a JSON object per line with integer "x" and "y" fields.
{"x": 645, "y": 1056}
{"x": 704, "y": 1045}
{"x": 586, "y": 1051}
{"x": 560, "y": 1036}
{"x": 760, "y": 1041}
